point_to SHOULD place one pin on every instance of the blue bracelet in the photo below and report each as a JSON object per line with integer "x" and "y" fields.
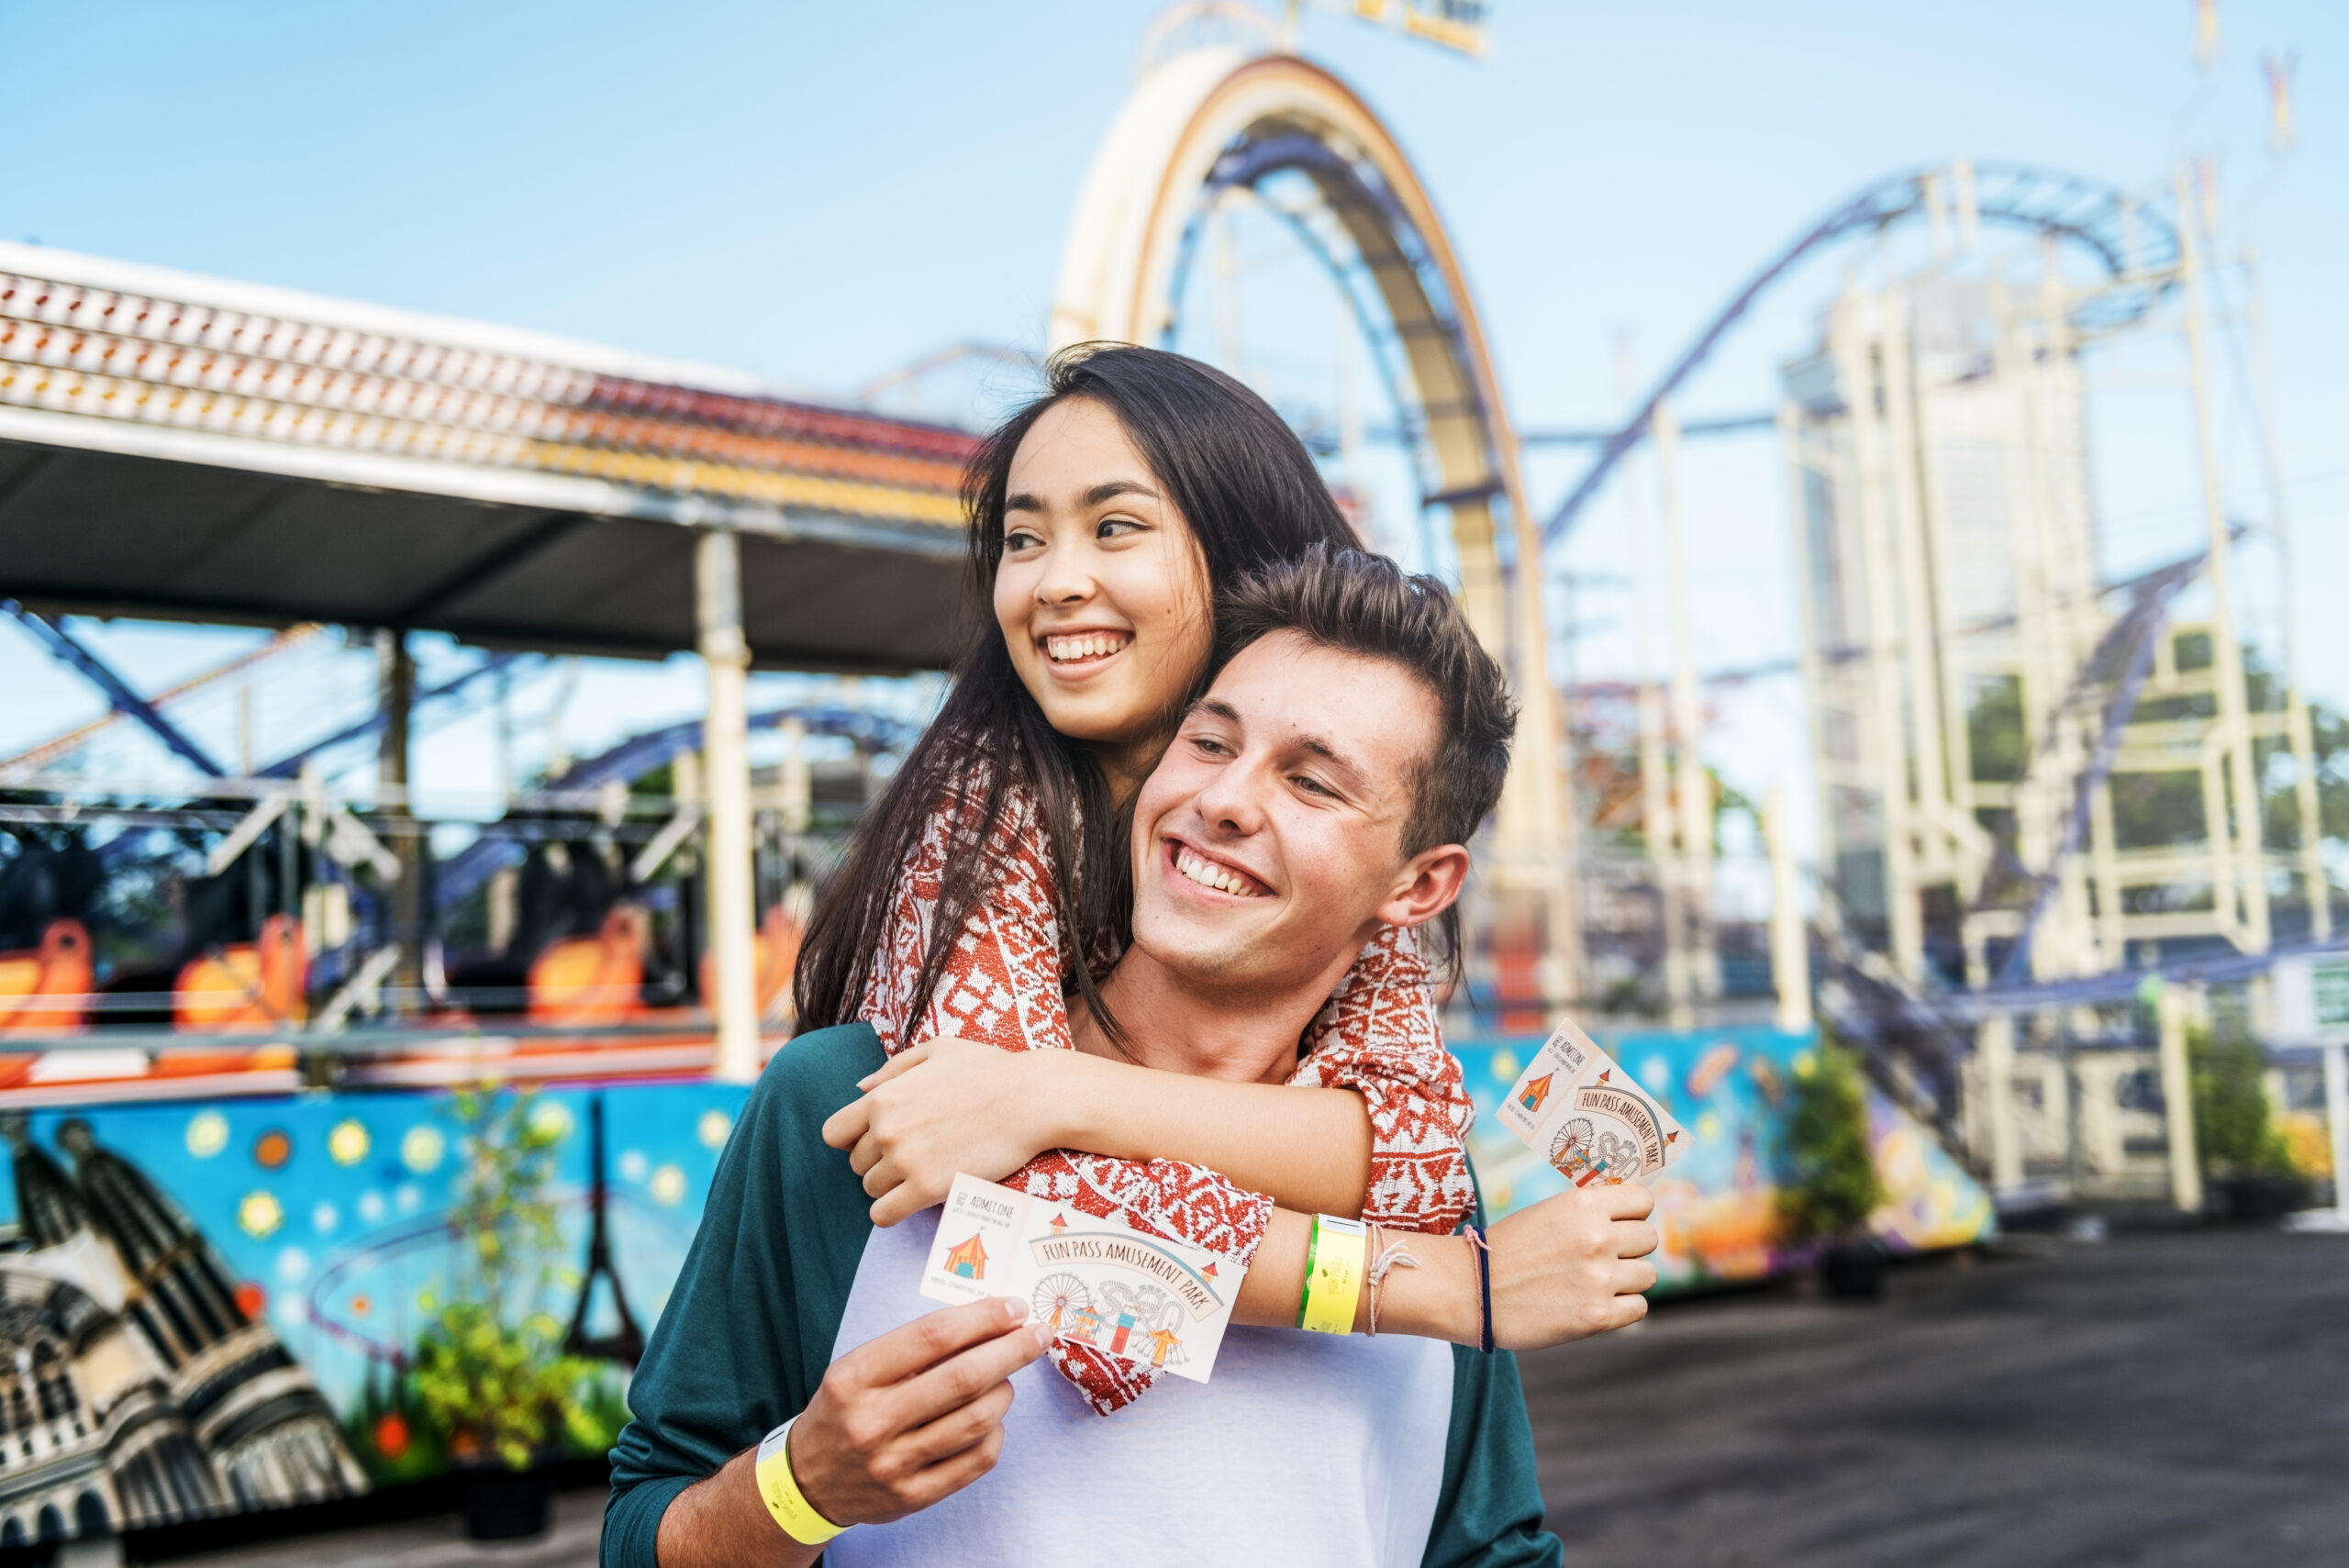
{"x": 1484, "y": 1249}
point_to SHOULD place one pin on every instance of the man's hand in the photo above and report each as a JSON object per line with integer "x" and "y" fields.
{"x": 1572, "y": 1266}
{"x": 944, "y": 1106}
{"x": 898, "y": 1423}
{"x": 914, "y": 1416}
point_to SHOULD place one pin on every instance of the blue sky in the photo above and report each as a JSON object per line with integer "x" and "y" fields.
{"x": 822, "y": 193}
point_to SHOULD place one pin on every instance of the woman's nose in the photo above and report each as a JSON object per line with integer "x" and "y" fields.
{"x": 1064, "y": 580}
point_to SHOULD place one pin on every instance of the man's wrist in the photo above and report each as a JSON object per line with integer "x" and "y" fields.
{"x": 802, "y": 1514}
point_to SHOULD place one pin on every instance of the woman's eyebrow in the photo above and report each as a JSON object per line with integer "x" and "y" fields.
{"x": 1021, "y": 501}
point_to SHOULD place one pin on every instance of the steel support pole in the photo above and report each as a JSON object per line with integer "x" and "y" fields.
{"x": 1694, "y": 785}
{"x": 1789, "y": 942}
{"x": 1996, "y": 1046}
{"x": 2336, "y": 1124}
{"x": 2177, "y": 1102}
{"x": 2248, "y": 832}
{"x": 2296, "y": 721}
{"x": 718, "y": 602}
{"x": 395, "y": 684}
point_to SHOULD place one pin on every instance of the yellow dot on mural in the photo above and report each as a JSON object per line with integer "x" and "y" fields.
{"x": 714, "y": 1127}
{"x": 1506, "y": 1066}
{"x": 207, "y": 1134}
{"x": 550, "y": 1119}
{"x": 668, "y": 1185}
{"x": 349, "y": 1142}
{"x": 260, "y": 1215}
{"x": 1806, "y": 1063}
{"x": 421, "y": 1150}
{"x": 1709, "y": 1126}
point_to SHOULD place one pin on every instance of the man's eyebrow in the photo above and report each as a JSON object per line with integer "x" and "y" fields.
{"x": 1216, "y": 707}
{"x": 1330, "y": 754}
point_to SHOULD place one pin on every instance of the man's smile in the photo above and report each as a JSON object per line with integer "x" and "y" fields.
{"x": 1207, "y": 872}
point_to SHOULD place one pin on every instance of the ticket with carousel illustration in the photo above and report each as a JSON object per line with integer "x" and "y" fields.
{"x": 1137, "y": 1297}
{"x": 1577, "y": 1109}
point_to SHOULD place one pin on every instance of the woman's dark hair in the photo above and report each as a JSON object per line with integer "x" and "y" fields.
{"x": 1249, "y": 491}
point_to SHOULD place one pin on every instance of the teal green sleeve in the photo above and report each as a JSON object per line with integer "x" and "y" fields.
{"x": 747, "y": 1331}
{"x": 1488, "y": 1514}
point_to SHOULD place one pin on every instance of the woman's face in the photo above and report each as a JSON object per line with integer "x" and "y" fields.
{"x": 1102, "y": 594}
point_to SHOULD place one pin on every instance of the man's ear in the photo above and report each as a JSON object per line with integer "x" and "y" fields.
{"x": 1431, "y": 879}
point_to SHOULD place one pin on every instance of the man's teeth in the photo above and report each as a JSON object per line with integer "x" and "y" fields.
{"x": 1085, "y": 646}
{"x": 1207, "y": 874}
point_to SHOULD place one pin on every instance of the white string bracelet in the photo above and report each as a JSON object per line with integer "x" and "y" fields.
{"x": 1392, "y": 1256}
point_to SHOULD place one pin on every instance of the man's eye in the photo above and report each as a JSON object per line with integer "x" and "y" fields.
{"x": 1211, "y": 745}
{"x": 1312, "y": 786}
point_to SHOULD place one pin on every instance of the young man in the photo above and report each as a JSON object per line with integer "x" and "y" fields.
{"x": 1323, "y": 786}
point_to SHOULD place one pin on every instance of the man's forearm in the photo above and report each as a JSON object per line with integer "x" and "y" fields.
{"x": 1309, "y": 1149}
{"x": 720, "y": 1522}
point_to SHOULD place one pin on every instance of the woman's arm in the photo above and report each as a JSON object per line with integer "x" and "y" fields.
{"x": 947, "y": 1105}
{"x": 1376, "y": 1131}
{"x": 1563, "y": 1269}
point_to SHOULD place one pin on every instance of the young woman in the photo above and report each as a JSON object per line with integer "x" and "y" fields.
{"x": 989, "y": 884}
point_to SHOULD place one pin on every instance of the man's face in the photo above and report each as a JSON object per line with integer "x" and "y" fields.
{"x": 1268, "y": 843}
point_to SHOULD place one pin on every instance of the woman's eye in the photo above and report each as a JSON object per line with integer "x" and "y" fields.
{"x": 1115, "y": 527}
{"x": 1020, "y": 539}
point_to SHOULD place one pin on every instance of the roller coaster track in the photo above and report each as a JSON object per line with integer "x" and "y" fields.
{"x": 2133, "y": 239}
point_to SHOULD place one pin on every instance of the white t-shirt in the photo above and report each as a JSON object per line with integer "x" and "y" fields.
{"x": 1303, "y": 1450}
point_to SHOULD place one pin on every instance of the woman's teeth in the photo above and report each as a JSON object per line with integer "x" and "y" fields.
{"x": 1084, "y": 645}
{"x": 1207, "y": 874}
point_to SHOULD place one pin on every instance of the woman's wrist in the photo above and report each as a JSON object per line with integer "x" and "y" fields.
{"x": 1436, "y": 1300}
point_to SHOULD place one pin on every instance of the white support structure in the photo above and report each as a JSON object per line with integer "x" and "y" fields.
{"x": 1996, "y": 1048}
{"x": 1692, "y": 785}
{"x": 1789, "y": 936}
{"x": 2241, "y": 827}
{"x": 718, "y": 602}
{"x": 2177, "y": 1102}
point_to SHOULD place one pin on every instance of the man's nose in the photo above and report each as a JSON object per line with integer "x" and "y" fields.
{"x": 1232, "y": 801}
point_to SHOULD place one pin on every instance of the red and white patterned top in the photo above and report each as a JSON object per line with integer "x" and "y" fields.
{"x": 1004, "y": 981}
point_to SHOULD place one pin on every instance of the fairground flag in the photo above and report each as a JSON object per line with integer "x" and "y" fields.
{"x": 2281, "y": 134}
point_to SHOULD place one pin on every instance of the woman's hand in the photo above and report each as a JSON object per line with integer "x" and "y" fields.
{"x": 944, "y": 1106}
{"x": 1572, "y": 1266}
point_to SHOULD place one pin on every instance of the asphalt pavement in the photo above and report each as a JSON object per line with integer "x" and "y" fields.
{"x": 2155, "y": 1399}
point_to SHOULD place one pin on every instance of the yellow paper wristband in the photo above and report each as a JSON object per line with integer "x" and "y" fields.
{"x": 1333, "y": 1269}
{"x": 780, "y": 1490}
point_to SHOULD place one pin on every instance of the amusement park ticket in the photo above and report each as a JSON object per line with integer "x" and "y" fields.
{"x": 1140, "y": 1298}
{"x": 1578, "y": 1110}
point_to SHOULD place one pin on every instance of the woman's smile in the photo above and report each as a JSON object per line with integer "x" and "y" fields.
{"x": 1084, "y": 650}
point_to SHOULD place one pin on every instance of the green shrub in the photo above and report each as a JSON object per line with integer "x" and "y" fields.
{"x": 2233, "y": 1133}
{"x": 1829, "y": 1187}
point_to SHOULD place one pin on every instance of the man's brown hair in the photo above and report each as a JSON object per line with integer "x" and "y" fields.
{"x": 1352, "y": 602}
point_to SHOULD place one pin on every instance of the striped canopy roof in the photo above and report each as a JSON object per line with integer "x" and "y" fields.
{"x": 183, "y": 446}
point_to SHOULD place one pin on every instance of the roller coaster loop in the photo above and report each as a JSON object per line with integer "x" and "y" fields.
{"x": 2135, "y": 238}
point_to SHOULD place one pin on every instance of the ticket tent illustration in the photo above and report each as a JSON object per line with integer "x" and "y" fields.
{"x": 1141, "y": 1298}
{"x": 1587, "y": 1116}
